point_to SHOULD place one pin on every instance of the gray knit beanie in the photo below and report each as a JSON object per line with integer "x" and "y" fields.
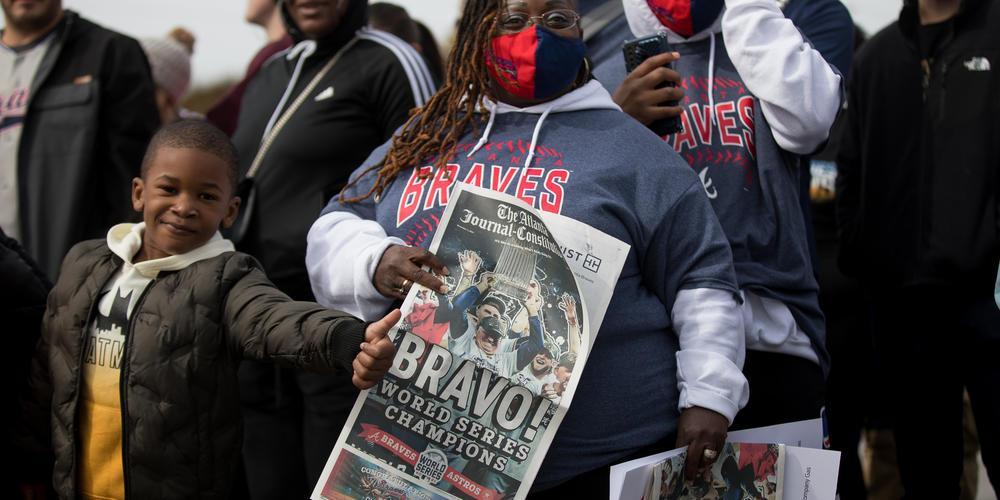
{"x": 171, "y": 64}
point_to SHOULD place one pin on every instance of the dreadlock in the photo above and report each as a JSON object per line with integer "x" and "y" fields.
{"x": 434, "y": 129}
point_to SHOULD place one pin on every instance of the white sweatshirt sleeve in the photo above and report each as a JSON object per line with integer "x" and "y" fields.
{"x": 342, "y": 253}
{"x": 799, "y": 91}
{"x": 709, "y": 325}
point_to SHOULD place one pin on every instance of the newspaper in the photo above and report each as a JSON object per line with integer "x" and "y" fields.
{"x": 810, "y": 473}
{"x": 483, "y": 374}
{"x": 742, "y": 470}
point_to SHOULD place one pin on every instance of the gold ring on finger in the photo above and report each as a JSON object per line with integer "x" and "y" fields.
{"x": 710, "y": 454}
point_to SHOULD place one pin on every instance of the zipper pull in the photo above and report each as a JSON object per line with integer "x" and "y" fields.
{"x": 926, "y": 80}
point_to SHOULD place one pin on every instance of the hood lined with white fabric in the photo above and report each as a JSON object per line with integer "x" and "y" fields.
{"x": 589, "y": 96}
{"x": 643, "y": 22}
{"x": 124, "y": 240}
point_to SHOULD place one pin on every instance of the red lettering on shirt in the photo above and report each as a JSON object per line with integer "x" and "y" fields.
{"x": 443, "y": 179}
{"x": 703, "y": 120}
{"x": 684, "y": 137}
{"x": 475, "y": 176}
{"x": 526, "y": 184}
{"x": 410, "y": 200}
{"x": 552, "y": 200}
{"x": 745, "y": 106}
{"x": 727, "y": 122}
{"x": 501, "y": 184}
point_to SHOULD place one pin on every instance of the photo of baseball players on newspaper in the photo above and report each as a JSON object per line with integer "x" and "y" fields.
{"x": 743, "y": 471}
{"x": 484, "y": 373}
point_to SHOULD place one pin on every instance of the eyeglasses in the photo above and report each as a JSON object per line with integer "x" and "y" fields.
{"x": 558, "y": 19}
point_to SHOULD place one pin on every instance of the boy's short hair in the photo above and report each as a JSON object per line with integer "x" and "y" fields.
{"x": 194, "y": 134}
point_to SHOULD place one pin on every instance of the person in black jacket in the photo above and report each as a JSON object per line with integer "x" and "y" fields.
{"x": 23, "y": 288}
{"x": 918, "y": 190}
{"x": 84, "y": 113}
{"x": 294, "y": 418}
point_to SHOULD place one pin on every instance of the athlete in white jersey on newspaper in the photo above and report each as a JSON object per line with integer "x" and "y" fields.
{"x": 484, "y": 340}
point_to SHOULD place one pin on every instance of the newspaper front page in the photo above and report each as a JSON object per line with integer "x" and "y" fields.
{"x": 483, "y": 374}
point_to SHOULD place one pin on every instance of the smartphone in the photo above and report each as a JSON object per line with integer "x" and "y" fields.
{"x": 638, "y": 50}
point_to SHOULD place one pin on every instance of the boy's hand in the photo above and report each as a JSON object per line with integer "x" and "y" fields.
{"x": 376, "y": 353}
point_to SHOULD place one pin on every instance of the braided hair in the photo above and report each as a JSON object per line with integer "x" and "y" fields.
{"x": 434, "y": 129}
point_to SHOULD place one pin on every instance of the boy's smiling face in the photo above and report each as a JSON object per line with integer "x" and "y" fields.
{"x": 184, "y": 196}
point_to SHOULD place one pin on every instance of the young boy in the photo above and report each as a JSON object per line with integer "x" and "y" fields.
{"x": 143, "y": 334}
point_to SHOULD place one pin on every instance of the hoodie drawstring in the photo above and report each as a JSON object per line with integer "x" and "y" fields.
{"x": 486, "y": 133}
{"x": 711, "y": 79}
{"x": 302, "y": 50}
{"x": 534, "y": 136}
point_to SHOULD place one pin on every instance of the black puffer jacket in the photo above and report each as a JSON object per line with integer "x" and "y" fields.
{"x": 180, "y": 406}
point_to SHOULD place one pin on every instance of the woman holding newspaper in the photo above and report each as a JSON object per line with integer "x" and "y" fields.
{"x": 665, "y": 367}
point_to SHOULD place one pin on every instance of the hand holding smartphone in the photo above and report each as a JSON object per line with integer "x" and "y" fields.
{"x": 637, "y": 51}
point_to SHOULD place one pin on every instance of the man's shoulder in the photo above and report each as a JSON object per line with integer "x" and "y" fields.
{"x": 87, "y": 47}
{"x": 888, "y": 42}
{"x": 81, "y": 29}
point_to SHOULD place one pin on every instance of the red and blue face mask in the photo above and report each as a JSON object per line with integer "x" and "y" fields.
{"x": 686, "y": 17}
{"x": 535, "y": 63}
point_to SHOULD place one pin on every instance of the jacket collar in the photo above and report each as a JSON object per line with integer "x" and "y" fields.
{"x": 124, "y": 240}
{"x": 354, "y": 19}
{"x": 59, "y": 35}
{"x": 909, "y": 17}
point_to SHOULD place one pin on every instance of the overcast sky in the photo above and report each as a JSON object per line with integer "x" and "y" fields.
{"x": 226, "y": 43}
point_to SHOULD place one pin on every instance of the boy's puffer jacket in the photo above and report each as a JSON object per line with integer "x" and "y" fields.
{"x": 181, "y": 426}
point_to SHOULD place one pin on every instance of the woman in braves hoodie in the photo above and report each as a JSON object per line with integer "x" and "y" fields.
{"x": 665, "y": 368}
{"x": 754, "y": 96}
